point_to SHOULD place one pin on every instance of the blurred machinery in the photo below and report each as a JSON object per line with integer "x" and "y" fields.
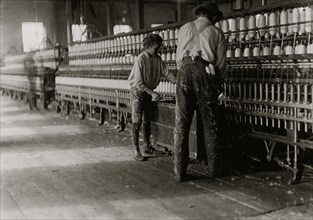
{"x": 30, "y": 76}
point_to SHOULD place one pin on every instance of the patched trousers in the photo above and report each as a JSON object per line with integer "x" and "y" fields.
{"x": 142, "y": 110}
{"x": 196, "y": 90}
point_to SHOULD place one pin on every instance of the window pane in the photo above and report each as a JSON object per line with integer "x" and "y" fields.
{"x": 79, "y": 32}
{"x": 33, "y": 34}
{"x": 121, "y": 29}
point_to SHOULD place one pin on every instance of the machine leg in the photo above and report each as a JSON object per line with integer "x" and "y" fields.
{"x": 82, "y": 112}
{"x": 92, "y": 111}
{"x": 298, "y": 165}
{"x": 297, "y": 175}
{"x": 21, "y": 96}
{"x": 25, "y": 98}
{"x": 121, "y": 122}
{"x": 58, "y": 108}
{"x": 45, "y": 106}
{"x": 44, "y": 100}
{"x": 15, "y": 95}
{"x": 30, "y": 101}
{"x": 110, "y": 114}
{"x": 269, "y": 146}
{"x": 102, "y": 116}
{"x": 33, "y": 101}
{"x": 68, "y": 107}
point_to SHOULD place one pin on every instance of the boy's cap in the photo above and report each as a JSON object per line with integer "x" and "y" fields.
{"x": 208, "y": 8}
{"x": 151, "y": 38}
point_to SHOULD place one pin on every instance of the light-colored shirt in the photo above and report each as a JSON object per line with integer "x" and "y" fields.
{"x": 212, "y": 44}
{"x": 147, "y": 71}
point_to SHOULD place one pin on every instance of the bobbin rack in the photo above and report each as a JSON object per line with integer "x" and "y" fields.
{"x": 30, "y": 76}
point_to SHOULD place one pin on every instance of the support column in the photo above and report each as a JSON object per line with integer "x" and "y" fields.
{"x": 140, "y": 22}
{"x": 69, "y": 21}
{"x": 110, "y": 17}
{"x": 181, "y": 11}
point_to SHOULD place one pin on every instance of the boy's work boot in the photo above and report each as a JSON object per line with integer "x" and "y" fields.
{"x": 135, "y": 140}
{"x": 146, "y": 138}
{"x": 137, "y": 154}
{"x": 147, "y": 148}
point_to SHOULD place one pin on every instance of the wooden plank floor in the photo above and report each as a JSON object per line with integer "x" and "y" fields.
{"x": 59, "y": 167}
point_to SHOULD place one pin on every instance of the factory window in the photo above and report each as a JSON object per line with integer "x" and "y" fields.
{"x": 79, "y": 32}
{"x": 33, "y": 35}
{"x": 121, "y": 29}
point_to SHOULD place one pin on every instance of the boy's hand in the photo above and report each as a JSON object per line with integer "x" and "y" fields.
{"x": 156, "y": 97}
